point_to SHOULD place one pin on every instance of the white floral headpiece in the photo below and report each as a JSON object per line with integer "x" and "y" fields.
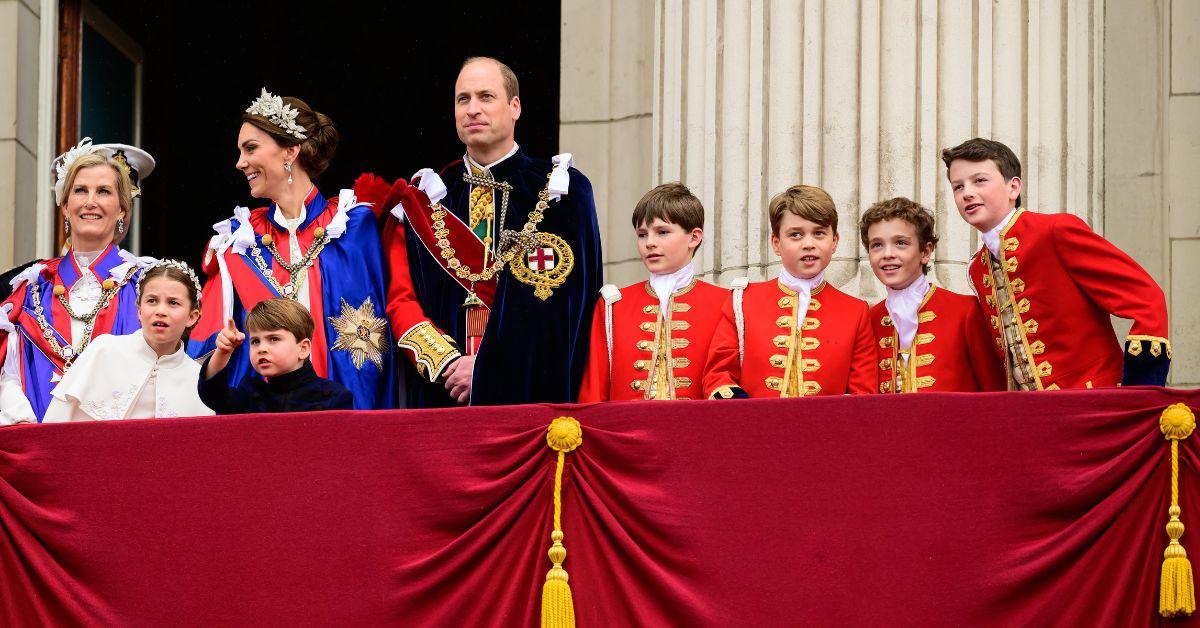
{"x": 177, "y": 265}
{"x": 62, "y": 165}
{"x": 283, "y": 116}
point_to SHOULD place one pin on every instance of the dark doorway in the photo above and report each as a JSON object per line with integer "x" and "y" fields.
{"x": 384, "y": 73}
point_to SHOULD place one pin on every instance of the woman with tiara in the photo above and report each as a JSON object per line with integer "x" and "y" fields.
{"x": 59, "y": 306}
{"x": 324, "y": 254}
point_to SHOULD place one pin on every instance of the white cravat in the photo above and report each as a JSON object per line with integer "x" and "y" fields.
{"x": 991, "y": 237}
{"x": 666, "y": 285}
{"x": 902, "y": 306}
{"x": 803, "y": 288}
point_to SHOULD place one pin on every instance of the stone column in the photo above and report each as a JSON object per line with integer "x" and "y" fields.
{"x": 22, "y": 113}
{"x": 859, "y": 98}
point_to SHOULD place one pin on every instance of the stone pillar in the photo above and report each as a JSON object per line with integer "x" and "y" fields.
{"x": 859, "y": 98}
{"x": 21, "y": 112}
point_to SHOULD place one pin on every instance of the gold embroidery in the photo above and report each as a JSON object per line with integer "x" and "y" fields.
{"x": 650, "y": 309}
{"x": 682, "y": 363}
{"x": 787, "y": 302}
{"x": 431, "y": 350}
{"x": 1011, "y": 244}
{"x": 811, "y": 324}
{"x": 1135, "y": 348}
{"x": 924, "y": 381}
{"x": 774, "y": 383}
{"x": 546, "y": 267}
{"x": 809, "y": 365}
{"x": 885, "y": 387}
{"x": 814, "y": 305}
{"x": 923, "y": 339}
{"x": 990, "y": 300}
{"x": 1055, "y": 386}
{"x": 680, "y": 325}
{"x": 1155, "y": 348}
{"x": 885, "y": 343}
{"x": 680, "y": 343}
{"x": 808, "y": 344}
{"x": 723, "y": 392}
{"x": 1044, "y": 369}
{"x": 784, "y": 322}
{"x": 885, "y": 364}
{"x": 681, "y": 307}
{"x": 641, "y": 365}
{"x": 645, "y": 345}
{"x": 886, "y": 321}
{"x": 926, "y": 317}
{"x": 637, "y": 385}
{"x": 781, "y": 341}
{"x": 925, "y": 359}
{"x": 683, "y": 382}
{"x": 811, "y": 389}
{"x": 1010, "y": 264}
{"x": 1037, "y": 347}
{"x": 987, "y": 281}
{"x": 778, "y": 361}
{"x": 1023, "y": 306}
{"x": 1031, "y": 326}
{"x": 360, "y": 333}
{"x": 995, "y": 320}
{"x": 1017, "y": 285}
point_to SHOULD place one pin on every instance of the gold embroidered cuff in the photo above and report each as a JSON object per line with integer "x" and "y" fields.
{"x": 431, "y": 351}
{"x": 723, "y": 392}
{"x": 1133, "y": 343}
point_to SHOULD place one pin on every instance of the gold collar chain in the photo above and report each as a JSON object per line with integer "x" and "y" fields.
{"x": 69, "y": 352}
{"x": 291, "y": 289}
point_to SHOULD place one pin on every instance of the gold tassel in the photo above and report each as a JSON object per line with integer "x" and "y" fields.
{"x": 558, "y": 609}
{"x": 1177, "y": 597}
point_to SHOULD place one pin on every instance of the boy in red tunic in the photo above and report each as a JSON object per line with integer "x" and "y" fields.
{"x": 1048, "y": 285}
{"x": 795, "y": 336}
{"x": 649, "y": 340}
{"x": 929, "y": 338}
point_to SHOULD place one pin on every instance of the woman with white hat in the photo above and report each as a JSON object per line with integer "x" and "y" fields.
{"x": 58, "y": 306}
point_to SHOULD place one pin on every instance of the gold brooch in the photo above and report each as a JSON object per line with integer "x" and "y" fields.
{"x": 545, "y": 267}
{"x": 360, "y": 332}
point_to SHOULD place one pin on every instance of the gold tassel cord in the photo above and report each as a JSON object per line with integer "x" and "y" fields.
{"x": 558, "y": 610}
{"x": 1177, "y": 597}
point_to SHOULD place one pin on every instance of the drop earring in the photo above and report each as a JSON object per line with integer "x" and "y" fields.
{"x": 287, "y": 165}
{"x": 120, "y": 225}
{"x": 66, "y": 227}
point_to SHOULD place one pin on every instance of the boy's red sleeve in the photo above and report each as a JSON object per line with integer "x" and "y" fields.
{"x": 864, "y": 369}
{"x": 1110, "y": 277}
{"x": 596, "y": 381}
{"x": 723, "y": 368}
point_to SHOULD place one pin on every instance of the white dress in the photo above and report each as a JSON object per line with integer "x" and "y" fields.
{"x": 121, "y": 377}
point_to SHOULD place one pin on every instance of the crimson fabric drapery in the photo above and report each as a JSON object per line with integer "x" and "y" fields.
{"x": 968, "y": 509}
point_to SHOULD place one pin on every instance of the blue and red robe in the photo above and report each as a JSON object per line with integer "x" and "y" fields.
{"x": 40, "y": 366}
{"x": 346, "y": 282}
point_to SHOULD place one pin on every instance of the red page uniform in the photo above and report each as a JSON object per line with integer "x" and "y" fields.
{"x": 952, "y": 350}
{"x": 764, "y": 346}
{"x": 1048, "y": 296}
{"x": 652, "y": 356}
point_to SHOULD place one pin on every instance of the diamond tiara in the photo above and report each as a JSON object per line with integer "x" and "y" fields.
{"x": 177, "y": 265}
{"x": 283, "y": 116}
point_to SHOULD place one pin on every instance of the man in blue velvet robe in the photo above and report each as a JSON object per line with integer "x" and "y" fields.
{"x": 495, "y": 262}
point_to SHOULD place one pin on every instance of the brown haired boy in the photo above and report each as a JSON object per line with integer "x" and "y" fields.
{"x": 929, "y": 338}
{"x": 797, "y": 335}
{"x": 649, "y": 340}
{"x": 280, "y": 342}
{"x": 1048, "y": 284}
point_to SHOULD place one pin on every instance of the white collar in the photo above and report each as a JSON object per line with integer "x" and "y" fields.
{"x": 137, "y": 342}
{"x": 991, "y": 237}
{"x": 510, "y": 153}
{"x": 291, "y": 223}
{"x": 800, "y": 285}
{"x": 666, "y": 285}
{"x": 903, "y": 306}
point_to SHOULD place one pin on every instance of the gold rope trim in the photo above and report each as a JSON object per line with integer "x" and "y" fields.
{"x": 558, "y": 610}
{"x": 1177, "y": 597}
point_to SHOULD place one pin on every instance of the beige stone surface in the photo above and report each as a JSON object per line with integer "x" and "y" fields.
{"x": 8, "y": 199}
{"x": 27, "y": 77}
{"x": 1185, "y": 316}
{"x": 1185, "y": 46}
{"x": 10, "y": 21}
{"x": 1183, "y": 159}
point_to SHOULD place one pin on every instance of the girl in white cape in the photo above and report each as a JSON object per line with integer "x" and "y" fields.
{"x": 145, "y": 374}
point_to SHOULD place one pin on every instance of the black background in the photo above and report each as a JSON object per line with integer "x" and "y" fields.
{"x": 384, "y": 73}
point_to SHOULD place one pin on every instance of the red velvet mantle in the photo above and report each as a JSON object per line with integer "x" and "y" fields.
{"x": 1000, "y": 509}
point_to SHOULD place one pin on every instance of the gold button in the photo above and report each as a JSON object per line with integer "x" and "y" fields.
{"x": 774, "y": 383}
{"x": 647, "y": 326}
{"x": 784, "y": 321}
{"x": 778, "y": 361}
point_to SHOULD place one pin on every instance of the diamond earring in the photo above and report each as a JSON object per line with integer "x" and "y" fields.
{"x": 120, "y": 225}
{"x": 66, "y": 227}
{"x": 287, "y": 165}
